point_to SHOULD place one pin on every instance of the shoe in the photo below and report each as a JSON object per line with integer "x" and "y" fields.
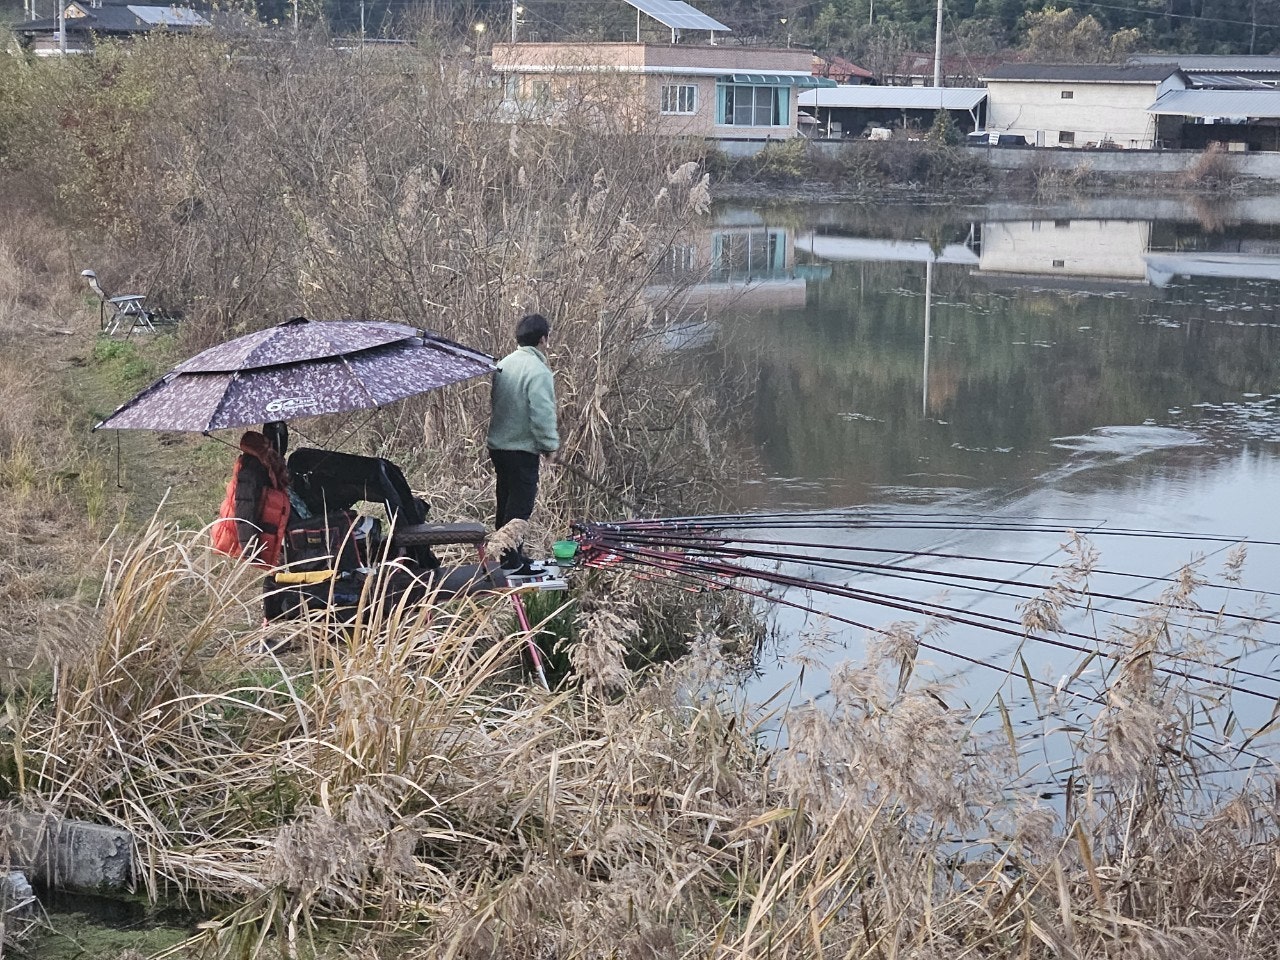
{"x": 527, "y": 569}
{"x": 517, "y": 564}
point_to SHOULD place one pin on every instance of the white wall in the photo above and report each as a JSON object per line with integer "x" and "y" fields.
{"x": 1111, "y": 249}
{"x": 1096, "y": 111}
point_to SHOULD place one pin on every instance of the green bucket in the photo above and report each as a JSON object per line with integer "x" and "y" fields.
{"x": 564, "y": 550}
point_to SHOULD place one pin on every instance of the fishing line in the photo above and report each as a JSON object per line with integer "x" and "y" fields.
{"x": 648, "y": 529}
{"x": 721, "y": 547}
{"x": 1095, "y": 700}
{"x": 937, "y": 611}
{"x": 1192, "y": 613}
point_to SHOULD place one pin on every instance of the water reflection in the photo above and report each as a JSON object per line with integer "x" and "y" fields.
{"x": 1008, "y": 332}
{"x": 1111, "y": 364}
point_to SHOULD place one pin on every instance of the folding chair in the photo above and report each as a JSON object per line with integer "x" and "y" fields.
{"x": 122, "y": 314}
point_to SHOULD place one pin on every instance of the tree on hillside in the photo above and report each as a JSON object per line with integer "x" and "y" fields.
{"x": 1063, "y": 36}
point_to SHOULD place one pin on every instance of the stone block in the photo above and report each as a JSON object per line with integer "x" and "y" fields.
{"x": 68, "y": 854}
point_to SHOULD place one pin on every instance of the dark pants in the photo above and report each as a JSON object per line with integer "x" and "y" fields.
{"x": 517, "y": 489}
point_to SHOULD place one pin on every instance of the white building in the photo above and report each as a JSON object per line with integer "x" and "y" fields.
{"x": 1080, "y": 105}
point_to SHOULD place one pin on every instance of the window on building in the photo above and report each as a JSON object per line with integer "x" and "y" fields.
{"x": 743, "y": 105}
{"x": 1066, "y": 138}
{"x": 1059, "y": 263}
{"x": 679, "y": 98}
{"x": 1068, "y": 94}
{"x": 747, "y": 254}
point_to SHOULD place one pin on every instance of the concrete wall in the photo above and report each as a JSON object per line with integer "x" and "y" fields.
{"x": 1262, "y": 165}
{"x": 1094, "y": 112}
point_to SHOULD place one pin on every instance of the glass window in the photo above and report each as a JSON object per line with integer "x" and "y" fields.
{"x": 746, "y": 105}
{"x": 680, "y": 98}
{"x": 1068, "y": 94}
{"x": 1066, "y": 137}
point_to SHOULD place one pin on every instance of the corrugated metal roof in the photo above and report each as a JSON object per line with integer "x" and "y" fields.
{"x": 1084, "y": 72}
{"x": 1226, "y": 81}
{"x": 1218, "y": 103}
{"x": 894, "y": 98}
{"x": 168, "y": 16}
{"x": 1213, "y": 63}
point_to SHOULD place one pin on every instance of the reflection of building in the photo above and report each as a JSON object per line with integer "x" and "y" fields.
{"x": 827, "y": 246}
{"x": 1101, "y": 249}
{"x": 742, "y": 261}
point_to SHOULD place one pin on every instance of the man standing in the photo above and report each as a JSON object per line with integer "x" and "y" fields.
{"x": 522, "y": 429}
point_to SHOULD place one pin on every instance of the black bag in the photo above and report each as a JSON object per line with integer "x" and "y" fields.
{"x": 341, "y": 541}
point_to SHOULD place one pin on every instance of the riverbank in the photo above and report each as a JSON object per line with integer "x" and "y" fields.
{"x": 922, "y": 172}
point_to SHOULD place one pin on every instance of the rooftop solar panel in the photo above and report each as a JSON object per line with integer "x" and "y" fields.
{"x": 678, "y": 15}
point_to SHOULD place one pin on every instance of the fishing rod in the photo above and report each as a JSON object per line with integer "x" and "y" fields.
{"x": 998, "y": 625}
{"x": 643, "y": 532}
{"x": 844, "y": 520}
{"x": 1035, "y": 681}
{"x": 939, "y": 578}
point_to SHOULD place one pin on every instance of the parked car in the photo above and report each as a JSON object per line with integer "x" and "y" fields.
{"x": 994, "y": 138}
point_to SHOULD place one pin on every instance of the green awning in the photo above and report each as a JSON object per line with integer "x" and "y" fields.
{"x": 779, "y": 80}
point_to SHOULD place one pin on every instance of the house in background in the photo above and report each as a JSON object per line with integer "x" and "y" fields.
{"x": 87, "y": 20}
{"x": 724, "y": 93}
{"x": 1082, "y": 105}
{"x": 916, "y": 70}
{"x": 840, "y": 70}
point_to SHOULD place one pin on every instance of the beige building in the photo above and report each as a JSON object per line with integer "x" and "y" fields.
{"x": 1091, "y": 249}
{"x": 706, "y": 90}
{"x": 1080, "y": 105}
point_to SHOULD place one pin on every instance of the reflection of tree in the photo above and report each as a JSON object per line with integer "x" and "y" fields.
{"x": 839, "y": 389}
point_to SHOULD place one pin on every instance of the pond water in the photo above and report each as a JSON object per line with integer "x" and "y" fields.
{"x": 1098, "y": 365}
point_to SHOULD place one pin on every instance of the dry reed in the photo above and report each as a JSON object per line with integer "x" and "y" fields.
{"x": 385, "y": 788}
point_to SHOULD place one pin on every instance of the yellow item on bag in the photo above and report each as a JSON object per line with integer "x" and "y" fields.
{"x": 304, "y": 577}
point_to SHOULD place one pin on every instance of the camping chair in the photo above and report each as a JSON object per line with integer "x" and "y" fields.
{"x": 123, "y": 314}
{"x": 327, "y": 481}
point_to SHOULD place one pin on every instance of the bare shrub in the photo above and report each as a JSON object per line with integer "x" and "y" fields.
{"x": 1214, "y": 168}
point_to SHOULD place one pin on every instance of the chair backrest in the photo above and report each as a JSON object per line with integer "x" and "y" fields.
{"x": 328, "y": 481}
{"x": 94, "y": 285}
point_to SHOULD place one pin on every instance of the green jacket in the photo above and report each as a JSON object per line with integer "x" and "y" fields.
{"x": 524, "y": 404}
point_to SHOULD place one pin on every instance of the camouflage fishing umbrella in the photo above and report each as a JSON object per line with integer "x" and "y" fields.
{"x": 301, "y": 368}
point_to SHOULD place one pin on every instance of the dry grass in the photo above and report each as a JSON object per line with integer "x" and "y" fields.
{"x": 389, "y": 790}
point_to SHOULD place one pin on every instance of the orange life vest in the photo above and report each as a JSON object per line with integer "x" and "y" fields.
{"x": 272, "y": 518}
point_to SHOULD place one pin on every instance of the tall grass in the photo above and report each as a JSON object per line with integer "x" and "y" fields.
{"x": 392, "y": 788}
{"x": 244, "y": 183}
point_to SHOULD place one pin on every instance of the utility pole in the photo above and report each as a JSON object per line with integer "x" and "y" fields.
{"x": 515, "y": 18}
{"x": 361, "y": 22}
{"x": 295, "y": 19}
{"x": 62, "y": 27}
{"x": 937, "y": 49}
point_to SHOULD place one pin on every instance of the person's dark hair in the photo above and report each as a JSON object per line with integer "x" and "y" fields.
{"x": 532, "y": 329}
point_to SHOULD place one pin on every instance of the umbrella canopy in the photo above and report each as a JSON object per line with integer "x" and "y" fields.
{"x": 191, "y": 398}
{"x": 294, "y": 341}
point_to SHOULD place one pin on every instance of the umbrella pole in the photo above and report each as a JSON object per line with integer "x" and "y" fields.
{"x": 534, "y": 653}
